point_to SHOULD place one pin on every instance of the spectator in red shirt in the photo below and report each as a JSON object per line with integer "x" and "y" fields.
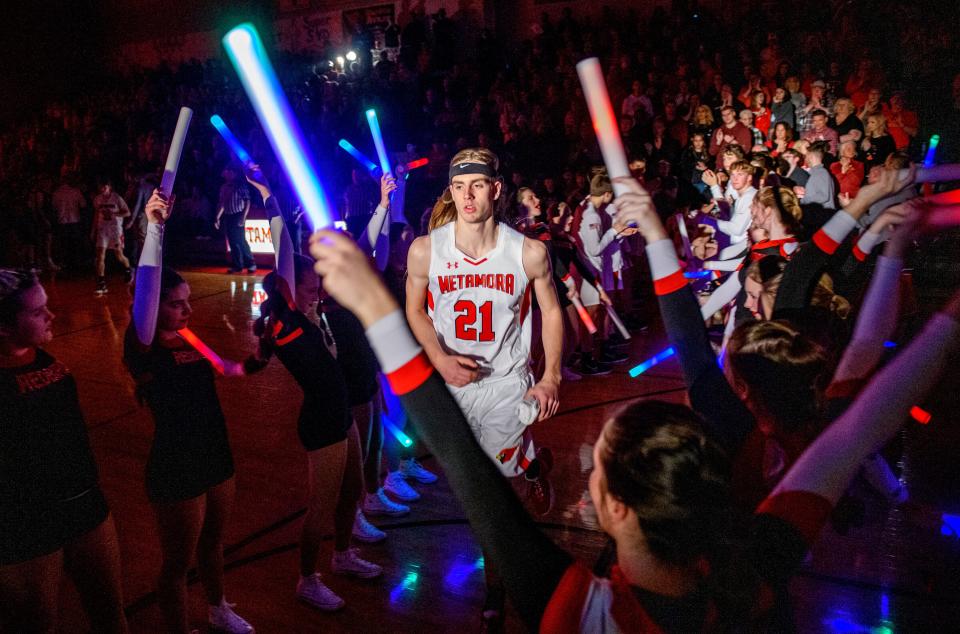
{"x": 848, "y": 170}
{"x": 731, "y": 132}
{"x": 761, "y": 116}
{"x": 902, "y": 124}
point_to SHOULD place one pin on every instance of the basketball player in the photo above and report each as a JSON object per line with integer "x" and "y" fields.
{"x": 109, "y": 210}
{"x": 468, "y": 302}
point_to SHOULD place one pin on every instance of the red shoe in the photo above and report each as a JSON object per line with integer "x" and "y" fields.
{"x": 540, "y": 493}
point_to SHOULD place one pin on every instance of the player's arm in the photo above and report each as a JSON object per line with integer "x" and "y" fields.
{"x": 536, "y": 265}
{"x": 455, "y": 370}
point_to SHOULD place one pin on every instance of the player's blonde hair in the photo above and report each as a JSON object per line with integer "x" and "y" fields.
{"x": 477, "y": 155}
{"x": 444, "y": 211}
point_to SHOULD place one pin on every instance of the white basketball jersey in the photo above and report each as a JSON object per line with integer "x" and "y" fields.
{"x": 481, "y": 308}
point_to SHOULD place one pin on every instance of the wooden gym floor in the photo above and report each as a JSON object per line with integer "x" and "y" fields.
{"x": 897, "y": 572}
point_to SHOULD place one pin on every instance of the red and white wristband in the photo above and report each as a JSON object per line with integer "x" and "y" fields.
{"x": 665, "y": 268}
{"x": 401, "y": 357}
{"x": 867, "y": 242}
{"x": 834, "y": 232}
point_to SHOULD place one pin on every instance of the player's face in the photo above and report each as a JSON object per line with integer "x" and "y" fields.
{"x": 474, "y": 195}
{"x": 175, "y": 310}
{"x": 34, "y": 321}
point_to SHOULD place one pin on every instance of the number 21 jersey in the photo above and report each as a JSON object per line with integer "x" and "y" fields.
{"x": 481, "y": 307}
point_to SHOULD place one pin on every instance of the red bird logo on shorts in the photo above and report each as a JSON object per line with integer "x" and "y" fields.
{"x": 453, "y": 265}
{"x": 506, "y": 454}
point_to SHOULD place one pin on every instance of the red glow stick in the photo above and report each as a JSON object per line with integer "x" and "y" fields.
{"x": 945, "y": 216}
{"x": 922, "y": 416}
{"x": 420, "y": 162}
{"x": 202, "y": 348}
{"x": 584, "y": 315}
{"x": 604, "y": 121}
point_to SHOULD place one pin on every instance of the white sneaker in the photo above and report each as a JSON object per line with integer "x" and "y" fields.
{"x": 312, "y": 591}
{"x": 379, "y": 504}
{"x": 222, "y": 618}
{"x": 410, "y": 468}
{"x": 396, "y": 485}
{"x": 366, "y": 532}
{"x": 349, "y": 563}
{"x": 569, "y": 375}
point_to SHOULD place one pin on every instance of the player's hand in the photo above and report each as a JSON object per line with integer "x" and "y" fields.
{"x": 547, "y": 394}
{"x": 388, "y": 185}
{"x": 158, "y": 208}
{"x": 457, "y": 370}
{"x": 348, "y": 278}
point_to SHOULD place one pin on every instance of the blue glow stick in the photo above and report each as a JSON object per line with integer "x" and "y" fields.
{"x": 931, "y": 150}
{"x": 357, "y": 154}
{"x": 374, "y": 124}
{"x": 259, "y": 80}
{"x": 234, "y": 143}
{"x": 652, "y": 361}
{"x": 397, "y": 432}
{"x": 696, "y": 275}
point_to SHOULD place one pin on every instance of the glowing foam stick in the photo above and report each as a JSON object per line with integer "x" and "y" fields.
{"x": 944, "y": 216}
{"x": 246, "y": 51}
{"x": 652, "y": 361}
{"x": 682, "y": 227}
{"x": 397, "y": 432}
{"x": 234, "y": 143}
{"x": 374, "y": 124}
{"x": 357, "y": 154}
{"x": 604, "y": 121}
{"x": 584, "y": 315}
{"x": 420, "y": 162}
{"x": 176, "y": 149}
{"x": 696, "y": 275}
{"x": 615, "y": 318}
{"x": 922, "y": 416}
{"x": 931, "y": 150}
{"x": 202, "y": 348}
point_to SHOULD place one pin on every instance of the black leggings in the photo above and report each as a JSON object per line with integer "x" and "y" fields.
{"x": 530, "y": 564}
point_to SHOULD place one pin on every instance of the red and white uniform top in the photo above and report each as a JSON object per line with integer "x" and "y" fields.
{"x": 481, "y": 307}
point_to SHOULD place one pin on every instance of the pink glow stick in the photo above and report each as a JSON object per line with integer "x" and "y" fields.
{"x": 202, "y": 348}
{"x": 604, "y": 121}
{"x": 584, "y": 315}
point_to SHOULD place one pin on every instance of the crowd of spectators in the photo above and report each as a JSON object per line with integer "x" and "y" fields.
{"x": 687, "y": 85}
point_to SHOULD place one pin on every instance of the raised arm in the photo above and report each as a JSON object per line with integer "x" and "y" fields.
{"x": 376, "y": 239}
{"x": 279, "y": 235}
{"x": 531, "y": 565}
{"x": 146, "y": 297}
{"x": 710, "y": 395}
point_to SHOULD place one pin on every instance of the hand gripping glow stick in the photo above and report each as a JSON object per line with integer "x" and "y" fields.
{"x": 616, "y": 322}
{"x": 652, "y": 361}
{"x": 357, "y": 154}
{"x": 176, "y": 149}
{"x": 604, "y": 121}
{"x": 234, "y": 143}
{"x": 202, "y": 348}
{"x": 374, "y": 124}
{"x": 259, "y": 80}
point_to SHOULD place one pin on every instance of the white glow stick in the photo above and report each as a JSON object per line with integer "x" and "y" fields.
{"x": 682, "y": 227}
{"x": 176, "y": 150}
{"x": 616, "y": 322}
{"x": 604, "y": 121}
